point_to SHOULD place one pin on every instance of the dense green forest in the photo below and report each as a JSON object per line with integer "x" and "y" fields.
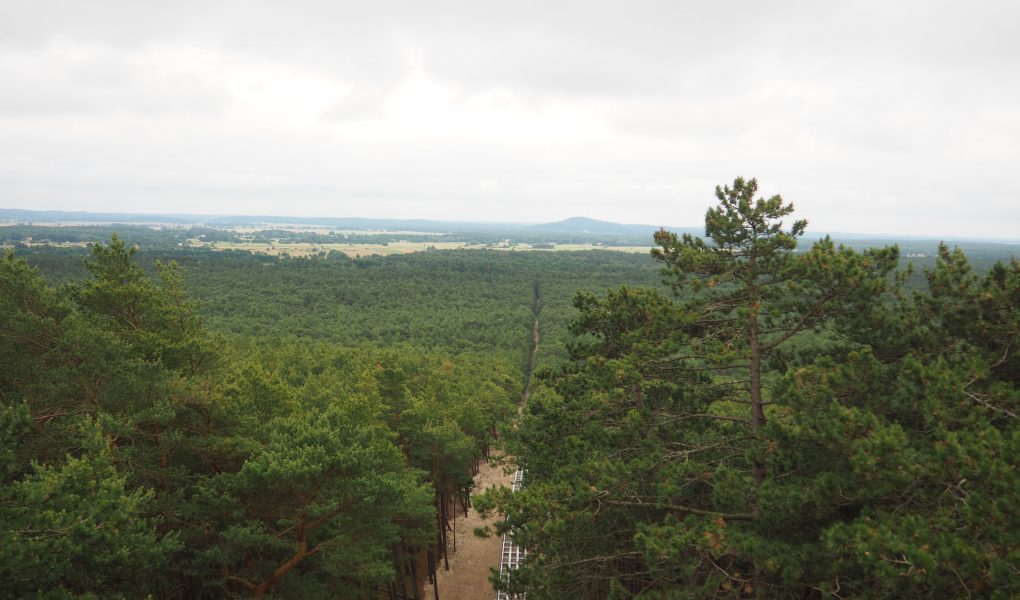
{"x": 135, "y": 440}
{"x": 461, "y": 300}
{"x": 781, "y": 425}
{"x": 297, "y": 427}
{"x": 735, "y": 416}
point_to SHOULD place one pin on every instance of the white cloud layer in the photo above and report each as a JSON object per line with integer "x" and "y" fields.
{"x": 876, "y": 117}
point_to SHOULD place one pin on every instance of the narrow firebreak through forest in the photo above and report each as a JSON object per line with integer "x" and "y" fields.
{"x": 536, "y": 337}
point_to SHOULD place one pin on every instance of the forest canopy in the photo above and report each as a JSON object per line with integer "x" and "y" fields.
{"x": 739, "y": 415}
{"x": 137, "y": 441}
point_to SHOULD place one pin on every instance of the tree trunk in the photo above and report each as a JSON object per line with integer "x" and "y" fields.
{"x": 757, "y": 407}
{"x": 282, "y": 570}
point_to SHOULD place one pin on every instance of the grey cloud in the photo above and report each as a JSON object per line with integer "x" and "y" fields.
{"x": 364, "y": 101}
{"x": 59, "y": 81}
{"x": 867, "y": 114}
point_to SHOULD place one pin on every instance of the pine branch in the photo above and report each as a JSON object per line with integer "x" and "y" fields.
{"x": 681, "y": 508}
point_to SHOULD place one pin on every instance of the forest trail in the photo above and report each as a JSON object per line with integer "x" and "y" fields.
{"x": 474, "y": 558}
{"x": 470, "y": 564}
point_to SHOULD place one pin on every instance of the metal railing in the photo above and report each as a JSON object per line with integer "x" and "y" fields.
{"x": 512, "y": 555}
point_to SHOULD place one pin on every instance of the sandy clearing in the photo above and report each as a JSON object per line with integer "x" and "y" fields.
{"x": 468, "y": 577}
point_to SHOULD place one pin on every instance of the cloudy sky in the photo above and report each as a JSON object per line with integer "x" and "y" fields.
{"x": 881, "y": 117}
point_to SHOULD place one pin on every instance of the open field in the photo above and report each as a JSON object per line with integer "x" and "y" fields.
{"x": 50, "y": 244}
{"x": 358, "y": 250}
{"x": 352, "y": 250}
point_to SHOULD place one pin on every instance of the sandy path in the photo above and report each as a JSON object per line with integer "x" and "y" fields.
{"x": 468, "y": 577}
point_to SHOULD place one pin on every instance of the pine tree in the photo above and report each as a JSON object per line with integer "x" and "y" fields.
{"x": 747, "y": 293}
{"x": 664, "y": 473}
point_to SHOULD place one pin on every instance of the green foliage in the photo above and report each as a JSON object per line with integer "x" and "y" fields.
{"x": 794, "y": 426}
{"x": 327, "y": 488}
{"x": 791, "y": 423}
{"x": 134, "y": 440}
{"x": 75, "y": 528}
{"x": 466, "y": 300}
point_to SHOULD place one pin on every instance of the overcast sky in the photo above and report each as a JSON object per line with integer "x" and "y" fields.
{"x": 880, "y": 117}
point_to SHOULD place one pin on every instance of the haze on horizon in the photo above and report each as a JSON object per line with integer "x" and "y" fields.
{"x": 888, "y": 118}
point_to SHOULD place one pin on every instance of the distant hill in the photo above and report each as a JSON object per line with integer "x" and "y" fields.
{"x": 586, "y": 225}
{"x": 63, "y": 216}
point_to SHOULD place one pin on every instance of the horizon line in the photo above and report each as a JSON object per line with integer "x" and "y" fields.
{"x": 295, "y": 220}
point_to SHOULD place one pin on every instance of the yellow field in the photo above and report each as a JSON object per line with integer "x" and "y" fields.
{"x": 58, "y": 244}
{"x": 352, "y": 250}
{"x": 358, "y": 250}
